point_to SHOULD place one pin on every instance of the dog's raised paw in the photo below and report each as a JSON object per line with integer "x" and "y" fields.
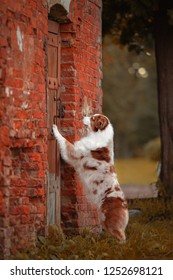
{"x": 54, "y": 126}
{"x": 54, "y": 129}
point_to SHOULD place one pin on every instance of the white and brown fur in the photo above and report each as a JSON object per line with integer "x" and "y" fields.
{"x": 93, "y": 159}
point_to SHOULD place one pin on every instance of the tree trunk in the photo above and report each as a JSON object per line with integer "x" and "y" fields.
{"x": 164, "y": 60}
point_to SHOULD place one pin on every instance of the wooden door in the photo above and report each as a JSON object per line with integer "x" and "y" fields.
{"x": 53, "y": 116}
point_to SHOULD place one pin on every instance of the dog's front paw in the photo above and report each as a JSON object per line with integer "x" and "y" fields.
{"x": 55, "y": 130}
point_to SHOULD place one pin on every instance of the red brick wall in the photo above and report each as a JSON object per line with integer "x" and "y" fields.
{"x": 23, "y": 128}
{"x": 23, "y": 144}
{"x": 81, "y": 94}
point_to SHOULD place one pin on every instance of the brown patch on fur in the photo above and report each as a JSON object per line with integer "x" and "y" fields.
{"x": 71, "y": 151}
{"x": 87, "y": 167}
{"x": 108, "y": 191}
{"x": 125, "y": 204}
{"x": 117, "y": 188}
{"x": 98, "y": 182}
{"x": 117, "y": 202}
{"x": 95, "y": 192}
{"x": 99, "y": 122}
{"x": 115, "y": 214}
{"x": 101, "y": 154}
{"x": 112, "y": 169}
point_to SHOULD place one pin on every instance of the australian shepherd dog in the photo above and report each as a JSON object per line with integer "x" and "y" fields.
{"x": 93, "y": 159}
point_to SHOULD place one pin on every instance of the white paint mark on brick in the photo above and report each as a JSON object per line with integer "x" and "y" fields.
{"x": 19, "y": 39}
{"x": 87, "y": 107}
{"x": 8, "y": 92}
{"x": 72, "y": 69}
{"x": 73, "y": 112}
{"x": 26, "y": 92}
{"x": 33, "y": 135}
{"x": 12, "y": 133}
{"x": 24, "y": 105}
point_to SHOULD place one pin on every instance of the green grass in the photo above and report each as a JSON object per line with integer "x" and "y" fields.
{"x": 149, "y": 236}
{"x": 140, "y": 171}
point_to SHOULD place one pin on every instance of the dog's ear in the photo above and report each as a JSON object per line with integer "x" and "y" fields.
{"x": 101, "y": 122}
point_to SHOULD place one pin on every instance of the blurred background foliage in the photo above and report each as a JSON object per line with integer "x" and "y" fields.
{"x": 130, "y": 98}
{"x": 132, "y": 22}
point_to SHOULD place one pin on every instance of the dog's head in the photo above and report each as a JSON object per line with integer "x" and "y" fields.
{"x": 96, "y": 122}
